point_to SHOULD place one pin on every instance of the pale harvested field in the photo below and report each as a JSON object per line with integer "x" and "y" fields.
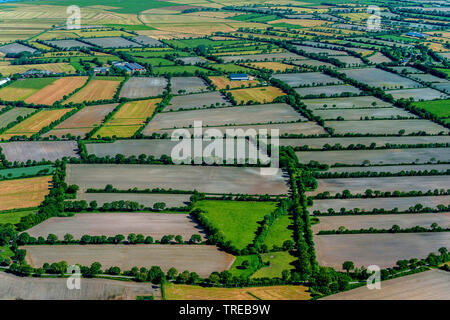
{"x": 350, "y": 102}
{"x": 23, "y": 193}
{"x": 382, "y": 221}
{"x": 147, "y": 200}
{"x": 361, "y": 114}
{"x": 35, "y": 123}
{"x": 199, "y": 100}
{"x": 279, "y": 112}
{"x": 154, "y": 147}
{"x": 360, "y": 185}
{"x": 201, "y": 259}
{"x": 385, "y": 126}
{"x": 323, "y": 51}
{"x": 378, "y": 58}
{"x": 312, "y": 63}
{"x": 16, "y": 48}
{"x": 57, "y": 90}
{"x": 382, "y": 79}
{"x": 328, "y": 91}
{"x": 384, "y": 156}
{"x": 435, "y": 282}
{"x": 394, "y": 168}
{"x": 222, "y": 82}
{"x": 112, "y": 42}
{"x": 178, "y": 177}
{"x": 350, "y": 61}
{"x": 11, "y": 115}
{"x": 402, "y": 204}
{"x": 383, "y": 250}
{"x": 140, "y": 87}
{"x": 68, "y": 44}
{"x": 306, "y": 79}
{"x": 185, "y": 85}
{"x": 190, "y": 292}
{"x": 20, "y": 288}
{"x": 274, "y": 66}
{"x": 110, "y": 224}
{"x": 95, "y": 90}
{"x": 264, "y": 57}
{"x": 306, "y": 128}
{"x": 22, "y": 151}
{"x": 417, "y": 94}
{"x": 318, "y": 143}
{"x": 83, "y": 121}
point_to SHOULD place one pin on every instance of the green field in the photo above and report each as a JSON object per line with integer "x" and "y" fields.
{"x": 23, "y": 89}
{"x": 280, "y": 231}
{"x": 254, "y": 17}
{"x": 286, "y": 25}
{"x": 236, "y": 220}
{"x": 13, "y": 216}
{"x": 156, "y": 61}
{"x": 179, "y": 70}
{"x": 440, "y": 108}
{"x": 279, "y": 261}
{"x": 136, "y": 27}
{"x": 239, "y": 271}
{"x": 231, "y": 68}
{"x": 446, "y": 71}
{"x": 25, "y": 172}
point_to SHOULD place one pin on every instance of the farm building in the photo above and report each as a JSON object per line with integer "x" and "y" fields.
{"x": 238, "y": 76}
{"x": 416, "y": 35}
{"x": 129, "y": 66}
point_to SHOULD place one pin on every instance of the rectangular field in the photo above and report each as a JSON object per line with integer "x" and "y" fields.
{"x": 222, "y": 82}
{"x": 363, "y": 114}
{"x": 57, "y": 90}
{"x": 112, "y": 42}
{"x": 18, "y": 288}
{"x": 95, "y": 90}
{"x": 189, "y": 292}
{"x": 23, "y": 151}
{"x": 383, "y": 250}
{"x": 417, "y": 94}
{"x": 35, "y": 123}
{"x": 307, "y": 128}
{"x": 111, "y": 224}
{"x": 410, "y": 287}
{"x": 360, "y": 185}
{"x": 68, "y": 44}
{"x": 263, "y": 57}
{"x": 385, "y": 126}
{"x": 381, "y": 79}
{"x": 383, "y": 221}
{"x": 394, "y": 168}
{"x": 178, "y": 177}
{"x": 196, "y": 258}
{"x": 319, "y": 143}
{"x": 384, "y": 156}
{"x": 306, "y": 79}
{"x": 198, "y": 100}
{"x": 346, "y": 103}
{"x": 141, "y": 87}
{"x": 279, "y": 112}
{"x": 327, "y": 91}
{"x": 57, "y": 67}
{"x": 23, "y": 193}
{"x": 256, "y": 95}
{"x": 185, "y": 85}
{"x": 82, "y": 122}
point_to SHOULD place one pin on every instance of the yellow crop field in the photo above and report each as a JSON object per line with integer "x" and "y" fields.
{"x": 222, "y": 82}
{"x": 95, "y": 90}
{"x": 190, "y": 292}
{"x": 274, "y": 66}
{"x": 23, "y": 193}
{"x": 35, "y": 123}
{"x": 257, "y": 95}
{"x": 52, "y": 67}
{"x": 57, "y": 90}
{"x": 118, "y": 131}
